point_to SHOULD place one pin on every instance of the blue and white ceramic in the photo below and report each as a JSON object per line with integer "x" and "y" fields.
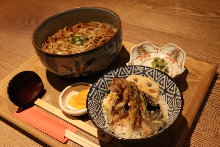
{"x": 99, "y": 90}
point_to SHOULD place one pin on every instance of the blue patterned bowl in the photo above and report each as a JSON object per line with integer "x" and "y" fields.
{"x": 168, "y": 89}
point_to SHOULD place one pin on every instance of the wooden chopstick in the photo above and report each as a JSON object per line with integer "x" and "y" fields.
{"x": 78, "y": 139}
{"x": 76, "y": 122}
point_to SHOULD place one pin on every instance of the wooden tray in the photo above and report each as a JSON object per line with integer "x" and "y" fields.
{"x": 194, "y": 84}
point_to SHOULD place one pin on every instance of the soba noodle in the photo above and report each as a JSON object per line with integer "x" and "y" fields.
{"x": 78, "y": 38}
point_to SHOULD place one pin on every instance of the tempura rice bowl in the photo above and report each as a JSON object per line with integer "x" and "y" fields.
{"x": 100, "y": 89}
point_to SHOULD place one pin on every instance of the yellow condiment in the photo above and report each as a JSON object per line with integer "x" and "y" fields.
{"x": 78, "y": 101}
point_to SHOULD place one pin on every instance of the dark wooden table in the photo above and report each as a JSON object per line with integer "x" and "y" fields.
{"x": 192, "y": 25}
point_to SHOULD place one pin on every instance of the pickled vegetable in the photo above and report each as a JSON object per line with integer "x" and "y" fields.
{"x": 161, "y": 64}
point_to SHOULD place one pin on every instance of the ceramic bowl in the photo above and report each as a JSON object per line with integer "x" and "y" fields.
{"x": 66, "y": 95}
{"x": 144, "y": 54}
{"x": 99, "y": 90}
{"x": 84, "y": 63}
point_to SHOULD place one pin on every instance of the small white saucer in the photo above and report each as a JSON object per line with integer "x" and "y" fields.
{"x": 66, "y": 95}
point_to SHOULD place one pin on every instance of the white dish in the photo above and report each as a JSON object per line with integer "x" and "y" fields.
{"x": 67, "y": 93}
{"x": 144, "y": 53}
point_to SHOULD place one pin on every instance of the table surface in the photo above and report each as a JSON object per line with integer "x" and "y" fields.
{"x": 192, "y": 25}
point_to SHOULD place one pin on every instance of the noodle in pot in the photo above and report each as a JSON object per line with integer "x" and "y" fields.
{"x": 78, "y": 38}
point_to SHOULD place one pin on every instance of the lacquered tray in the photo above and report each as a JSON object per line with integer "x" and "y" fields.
{"x": 194, "y": 83}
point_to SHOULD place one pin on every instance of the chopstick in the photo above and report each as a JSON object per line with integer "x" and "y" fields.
{"x": 78, "y": 139}
{"x": 74, "y": 121}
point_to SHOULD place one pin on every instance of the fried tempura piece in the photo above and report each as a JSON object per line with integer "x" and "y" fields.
{"x": 148, "y": 86}
{"x": 127, "y": 105}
